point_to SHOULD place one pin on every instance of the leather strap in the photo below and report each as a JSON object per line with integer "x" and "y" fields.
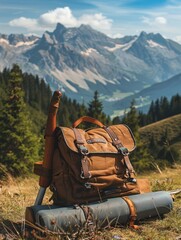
{"x": 87, "y": 119}
{"x": 129, "y": 166}
{"x": 95, "y": 140}
{"x": 115, "y": 140}
{"x": 78, "y": 137}
{"x": 117, "y": 143}
{"x": 85, "y": 167}
{"x": 133, "y": 214}
{"x": 84, "y": 152}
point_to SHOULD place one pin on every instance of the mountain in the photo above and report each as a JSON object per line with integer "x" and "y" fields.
{"x": 12, "y": 48}
{"x": 143, "y": 99}
{"x": 18, "y": 39}
{"x": 82, "y": 60}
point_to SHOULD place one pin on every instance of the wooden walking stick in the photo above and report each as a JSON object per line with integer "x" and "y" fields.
{"x": 44, "y": 168}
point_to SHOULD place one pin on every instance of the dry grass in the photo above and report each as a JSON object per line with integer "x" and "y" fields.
{"x": 17, "y": 194}
{"x": 171, "y": 125}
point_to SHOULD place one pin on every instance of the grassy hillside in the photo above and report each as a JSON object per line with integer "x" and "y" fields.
{"x": 16, "y": 194}
{"x": 167, "y": 131}
{"x": 170, "y": 126}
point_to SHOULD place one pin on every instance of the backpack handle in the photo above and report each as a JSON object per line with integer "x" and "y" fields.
{"x": 87, "y": 119}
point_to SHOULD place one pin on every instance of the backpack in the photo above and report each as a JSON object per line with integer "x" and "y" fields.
{"x": 92, "y": 165}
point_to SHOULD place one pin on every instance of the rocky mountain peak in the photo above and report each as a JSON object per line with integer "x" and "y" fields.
{"x": 59, "y": 31}
{"x": 59, "y": 28}
{"x": 19, "y": 39}
{"x": 157, "y": 38}
{"x": 86, "y": 27}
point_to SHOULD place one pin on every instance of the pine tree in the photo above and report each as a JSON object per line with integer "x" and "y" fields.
{"x": 95, "y": 109}
{"x": 116, "y": 120}
{"x": 151, "y": 113}
{"x": 140, "y": 156}
{"x": 164, "y": 108}
{"x": 175, "y": 105}
{"x": 132, "y": 119}
{"x": 19, "y": 147}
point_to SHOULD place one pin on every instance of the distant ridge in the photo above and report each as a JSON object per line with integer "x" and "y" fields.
{"x": 143, "y": 98}
{"x": 80, "y": 60}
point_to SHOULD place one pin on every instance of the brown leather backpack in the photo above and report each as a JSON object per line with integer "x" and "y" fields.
{"x": 92, "y": 165}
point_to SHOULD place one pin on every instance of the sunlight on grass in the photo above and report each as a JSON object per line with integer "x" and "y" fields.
{"x": 17, "y": 194}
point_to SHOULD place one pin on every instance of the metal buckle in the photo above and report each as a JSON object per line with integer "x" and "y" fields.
{"x": 82, "y": 175}
{"x": 87, "y": 185}
{"x": 124, "y": 151}
{"x": 83, "y": 150}
{"x": 133, "y": 180}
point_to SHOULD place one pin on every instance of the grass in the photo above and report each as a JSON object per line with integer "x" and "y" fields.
{"x": 17, "y": 194}
{"x": 170, "y": 126}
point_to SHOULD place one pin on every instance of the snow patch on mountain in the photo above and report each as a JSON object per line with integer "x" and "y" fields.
{"x": 19, "y": 44}
{"x": 2, "y": 40}
{"x": 79, "y": 78}
{"x": 124, "y": 47}
{"x": 88, "y": 52}
{"x": 128, "y": 45}
{"x": 117, "y": 46}
{"x": 154, "y": 44}
{"x": 127, "y": 79}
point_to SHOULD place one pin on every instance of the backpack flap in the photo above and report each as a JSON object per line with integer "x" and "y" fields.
{"x": 98, "y": 149}
{"x": 97, "y": 140}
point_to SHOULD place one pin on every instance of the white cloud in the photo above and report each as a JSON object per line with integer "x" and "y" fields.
{"x": 154, "y": 21}
{"x": 48, "y": 20}
{"x": 161, "y": 20}
{"x": 29, "y": 23}
{"x": 61, "y": 15}
{"x": 97, "y": 21}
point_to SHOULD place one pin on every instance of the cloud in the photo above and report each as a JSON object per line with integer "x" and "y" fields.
{"x": 28, "y": 23}
{"x": 154, "y": 21}
{"x": 48, "y": 20}
{"x": 160, "y": 20}
{"x": 61, "y": 15}
{"x": 97, "y": 21}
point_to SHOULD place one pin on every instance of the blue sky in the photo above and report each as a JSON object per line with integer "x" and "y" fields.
{"x": 115, "y": 18}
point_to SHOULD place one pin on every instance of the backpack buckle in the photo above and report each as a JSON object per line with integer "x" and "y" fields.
{"x": 124, "y": 151}
{"x": 87, "y": 185}
{"x": 83, "y": 150}
{"x": 132, "y": 180}
{"x": 83, "y": 177}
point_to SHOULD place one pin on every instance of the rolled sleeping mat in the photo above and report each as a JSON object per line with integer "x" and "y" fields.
{"x": 112, "y": 212}
{"x": 154, "y": 204}
{"x": 120, "y": 211}
{"x": 56, "y": 218}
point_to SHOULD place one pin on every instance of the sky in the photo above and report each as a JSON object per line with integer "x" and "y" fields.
{"x": 115, "y": 18}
